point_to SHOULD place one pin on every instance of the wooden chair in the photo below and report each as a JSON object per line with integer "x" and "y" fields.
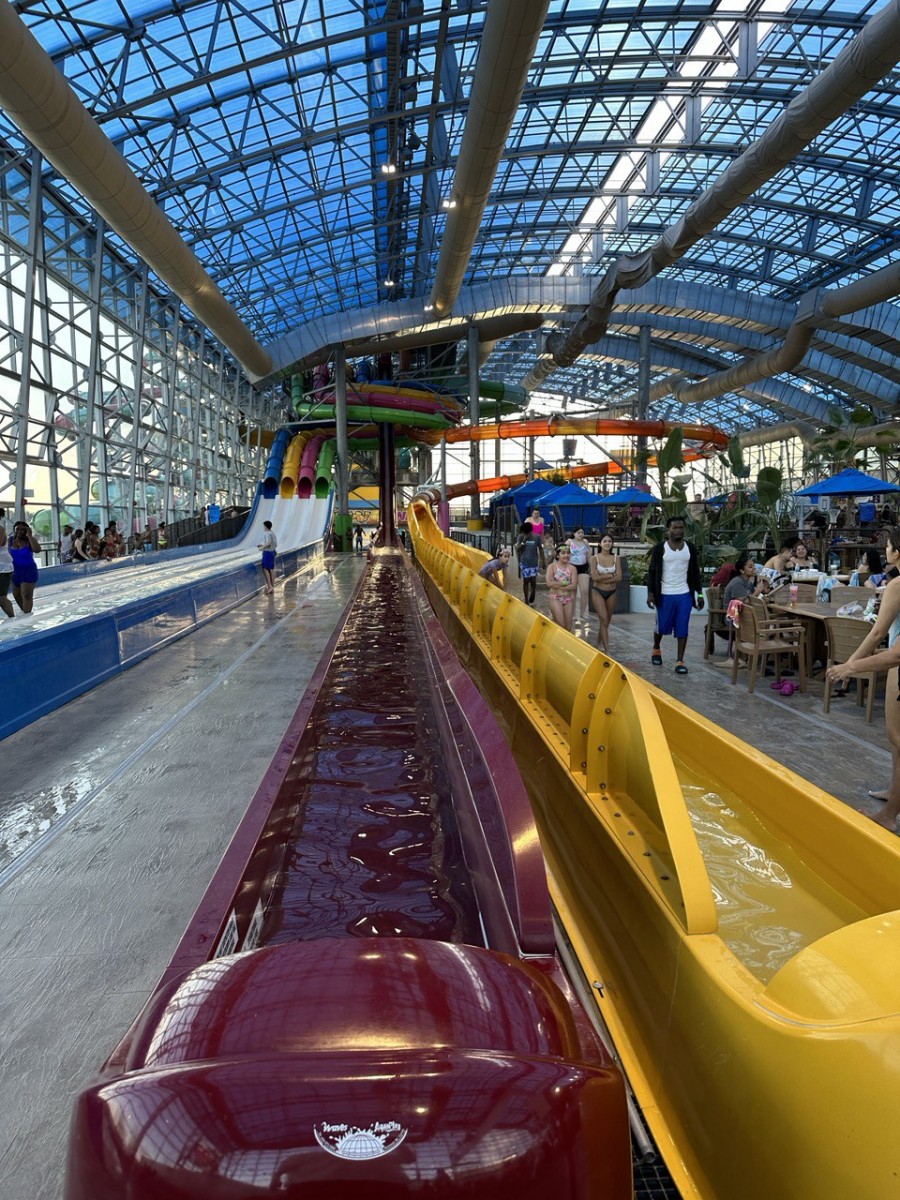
{"x": 715, "y": 618}
{"x": 758, "y": 636}
{"x": 846, "y": 595}
{"x": 843, "y": 635}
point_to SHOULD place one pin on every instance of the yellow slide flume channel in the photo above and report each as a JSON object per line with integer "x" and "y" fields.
{"x": 741, "y": 925}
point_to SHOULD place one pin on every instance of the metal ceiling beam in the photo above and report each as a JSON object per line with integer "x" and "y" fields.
{"x": 815, "y": 307}
{"x": 42, "y": 103}
{"x": 859, "y": 66}
{"x": 508, "y": 40}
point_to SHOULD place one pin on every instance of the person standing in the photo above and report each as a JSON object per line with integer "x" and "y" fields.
{"x": 64, "y": 545}
{"x": 358, "y": 537}
{"x": 268, "y": 545}
{"x": 530, "y": 552}
{"x": 606, "y": 575}
{"x": 579, "y": 550}
{"x": 673, "y": 588}
{"x": 22, "y": 548}
{"x": 562, "y": 580}
{"x": 6, "y": 573}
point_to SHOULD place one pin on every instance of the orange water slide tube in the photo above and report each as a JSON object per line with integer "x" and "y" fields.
{"x": 567, "y": 426}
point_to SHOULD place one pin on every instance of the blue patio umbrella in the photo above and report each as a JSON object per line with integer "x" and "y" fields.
{"x": 849, "y": 483}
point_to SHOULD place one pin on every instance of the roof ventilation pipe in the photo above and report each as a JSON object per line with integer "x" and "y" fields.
{"x": 860, "y": 65}
{"x": 508, "y": 40}
{"x": 43, "y": 105}
{"x": 805, "y": 432}
{"x": 778, "y": 433}
{"x": 813, "y": 309}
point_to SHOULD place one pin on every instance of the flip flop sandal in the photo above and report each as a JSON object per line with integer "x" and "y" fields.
{"x": 680, "y": 669}
{"x": 656, "y": 658}
{"x": 788, "y": 688}
{"x": 776, "y": 685}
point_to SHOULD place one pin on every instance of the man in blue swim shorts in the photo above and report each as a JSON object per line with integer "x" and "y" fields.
{"x": 673, "y": 588}
{"x": 268, "y": 545}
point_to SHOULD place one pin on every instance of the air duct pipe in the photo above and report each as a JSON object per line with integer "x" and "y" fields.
{"x": 510, "y": 34}
{"x": 813, "y": 309}
{"x": 860, "y": 65}
{"x": 42, "y": 103}
{"x": 778, "y": 433}
{"x": 863, "y": 438}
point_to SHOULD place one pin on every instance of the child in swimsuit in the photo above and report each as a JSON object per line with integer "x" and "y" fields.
{"x": 562, "y": 580}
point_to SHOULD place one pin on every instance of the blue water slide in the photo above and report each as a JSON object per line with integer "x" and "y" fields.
{"x": 272, "y": 479}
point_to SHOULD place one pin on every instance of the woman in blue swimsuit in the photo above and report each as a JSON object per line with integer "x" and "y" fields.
{"x": 22, "y": 548}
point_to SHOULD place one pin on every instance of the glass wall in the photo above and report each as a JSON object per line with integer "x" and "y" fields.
{"x": 113, "y": 405}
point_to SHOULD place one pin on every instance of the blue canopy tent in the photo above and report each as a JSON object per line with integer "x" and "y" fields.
{"x": 849, "y": 483}
{"x": 577, "y": 506}
{"x": 524, "y": 496}
{"x": 629, "y": 495}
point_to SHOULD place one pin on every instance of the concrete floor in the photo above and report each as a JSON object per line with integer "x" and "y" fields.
{"x": 116, "y": 809}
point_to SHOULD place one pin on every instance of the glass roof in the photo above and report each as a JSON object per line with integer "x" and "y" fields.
{"x": 303, "y": 149}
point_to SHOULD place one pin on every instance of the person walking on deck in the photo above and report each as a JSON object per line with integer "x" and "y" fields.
{"x": 673, "y": 589}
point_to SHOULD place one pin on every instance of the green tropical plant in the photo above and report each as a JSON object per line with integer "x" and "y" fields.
{"x": 638, "y": 568}
{"x": 836, "y": 446}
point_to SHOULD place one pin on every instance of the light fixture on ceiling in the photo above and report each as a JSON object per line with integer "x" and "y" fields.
{"x": 388, "y": 168}
{"x": 389, "y": 283}
{"x": 449, "y": 202}
{"x": 429, "y": 308}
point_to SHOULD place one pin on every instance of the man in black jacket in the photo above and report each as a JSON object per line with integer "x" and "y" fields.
{"x": 673, "y": 588}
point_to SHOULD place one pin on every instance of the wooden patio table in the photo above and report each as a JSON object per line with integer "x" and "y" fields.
{"x": 813, "y": 616}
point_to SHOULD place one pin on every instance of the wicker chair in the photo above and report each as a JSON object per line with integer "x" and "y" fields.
{"x": 715, "y": 618}
{"x": 844, "y": 635}
{"x": 758, "y": 636}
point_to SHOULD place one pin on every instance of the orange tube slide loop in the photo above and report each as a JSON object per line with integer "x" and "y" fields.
{"x": 502, "y": 483}
{"x": 568, "y": 426}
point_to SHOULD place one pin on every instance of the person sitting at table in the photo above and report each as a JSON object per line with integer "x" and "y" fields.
{"x": 778, "y": 566}
{"x": 863, "y": 660}
{"x": 745, "y": 583}
{"x": 871, "y": 562}
{"x": 800, "y": 559}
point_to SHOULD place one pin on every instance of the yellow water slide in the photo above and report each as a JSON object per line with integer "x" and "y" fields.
{"x": 290, "y": 471}
{"x": 739, "y": 926}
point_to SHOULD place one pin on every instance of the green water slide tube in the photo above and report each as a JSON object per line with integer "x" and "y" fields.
{"x": 324, "y": 464}
{"x": 365, "y": 414}
{"x": 497, "y": 398}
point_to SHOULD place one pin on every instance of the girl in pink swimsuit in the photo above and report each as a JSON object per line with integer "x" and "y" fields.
{"x": 562, "y": 580}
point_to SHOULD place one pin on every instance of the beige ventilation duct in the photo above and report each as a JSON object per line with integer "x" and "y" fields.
{"x": 867, "y": 59}
{"x": 41, "y": 102}
{"x": 800, "y": 429}
{"x": 510, "y": 34}
{"x": 814, "y": 309}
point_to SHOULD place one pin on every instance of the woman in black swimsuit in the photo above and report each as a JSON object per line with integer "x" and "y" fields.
{"x": 606, "y": 575}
